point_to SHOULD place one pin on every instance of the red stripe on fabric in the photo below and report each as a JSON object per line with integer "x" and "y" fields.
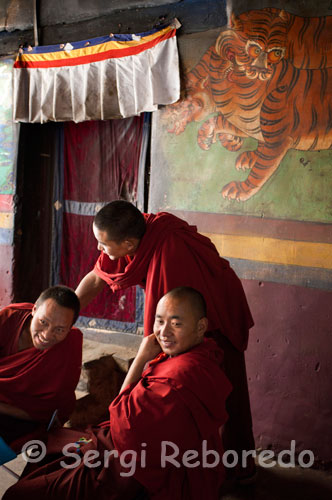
{"x": 6, "y": 202}
{"x": 109, "y": 54}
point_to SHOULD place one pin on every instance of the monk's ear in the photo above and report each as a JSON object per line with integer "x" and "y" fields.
{"x": 131, "y": 244}
{"x": 34, "y": 309}
{"x": 202, "y": 326}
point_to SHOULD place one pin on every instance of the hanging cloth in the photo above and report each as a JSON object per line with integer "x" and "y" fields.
{"x": 100, "y": 164}
{"x": 114, "y": 76}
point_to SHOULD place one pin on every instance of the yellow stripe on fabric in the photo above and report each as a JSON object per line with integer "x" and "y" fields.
{"x": 272, "y": 250}
{"x": 94, "y": 49}
{"x": 6, "y": 220}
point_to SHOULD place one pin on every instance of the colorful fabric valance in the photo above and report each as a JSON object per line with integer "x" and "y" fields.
{"x": 114, "y": 76}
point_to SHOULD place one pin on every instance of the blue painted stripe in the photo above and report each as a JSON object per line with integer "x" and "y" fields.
{"x": 311, "y": 277}
{"x": 6, "y": 236}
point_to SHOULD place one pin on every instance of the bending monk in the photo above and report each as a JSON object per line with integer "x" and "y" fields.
{"x": 160, "y": 252}
{"x": 164, "y": 428}
{"x": 40, "y": 361}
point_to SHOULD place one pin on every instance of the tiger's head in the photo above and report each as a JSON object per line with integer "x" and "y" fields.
{"x": 254, "y": 43}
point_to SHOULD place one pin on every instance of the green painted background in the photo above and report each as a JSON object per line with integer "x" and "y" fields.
{"x": 8, "y": 130}
{"x": 184, "y": 177}
{"x": 192, "y": 180}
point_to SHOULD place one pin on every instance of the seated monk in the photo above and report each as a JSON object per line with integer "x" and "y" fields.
{"x": 163, "y": 436}
{"x": 159, "y": 252}
{"x": 40, "y": 361}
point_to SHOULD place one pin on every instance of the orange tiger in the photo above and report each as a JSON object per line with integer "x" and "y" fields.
{"x": 269, "y": 77}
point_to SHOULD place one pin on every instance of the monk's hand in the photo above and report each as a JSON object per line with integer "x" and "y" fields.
{"x": 149, "y": 348}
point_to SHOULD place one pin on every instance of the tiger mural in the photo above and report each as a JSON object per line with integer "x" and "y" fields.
{"x": 269, "y": 77}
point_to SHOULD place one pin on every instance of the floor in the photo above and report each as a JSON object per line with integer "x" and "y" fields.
{"x": 272, "y": 484}
{"x": 6, "y": 479}
{"x": 279, "y": 483}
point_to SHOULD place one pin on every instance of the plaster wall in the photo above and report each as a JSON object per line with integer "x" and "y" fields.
{"x": 289, "y": 367}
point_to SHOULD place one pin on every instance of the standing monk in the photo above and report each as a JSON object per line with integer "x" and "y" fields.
{"x": 160, "y": 252}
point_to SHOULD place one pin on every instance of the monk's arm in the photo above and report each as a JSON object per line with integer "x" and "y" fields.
{"x": 148, "y": 350}
{"x": 90, "y": 286}
{"x": 12, "y": 411}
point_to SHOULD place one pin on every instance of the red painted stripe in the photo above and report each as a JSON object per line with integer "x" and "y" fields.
{"x": 245, "y": 225}
{"x": 6, "y": 202}
{"x": 109, "y": 54}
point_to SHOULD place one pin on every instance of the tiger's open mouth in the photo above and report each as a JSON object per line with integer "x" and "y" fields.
{"x": 251, "y": 72}
{"x": 261, "y": 74}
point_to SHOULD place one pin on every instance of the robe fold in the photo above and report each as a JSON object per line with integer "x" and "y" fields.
{"x": 179, "y": 401}
{"x": 37, "y": 381}
{"x": 173, "y": 402}
{"x": 172, "y": 253}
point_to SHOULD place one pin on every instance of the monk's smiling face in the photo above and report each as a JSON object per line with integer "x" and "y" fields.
{"x": 113, "y": 249}
{"x": 50, "y": 324}
{"x": 177, "y": 326}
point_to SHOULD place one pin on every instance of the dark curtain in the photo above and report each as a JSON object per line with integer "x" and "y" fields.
{"x": 37, "y": 158}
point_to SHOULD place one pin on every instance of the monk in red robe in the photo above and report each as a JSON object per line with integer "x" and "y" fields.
{"x": 40, "y": 361}
{"x": 164, "y": 428}
{"x": 160, "y": 252}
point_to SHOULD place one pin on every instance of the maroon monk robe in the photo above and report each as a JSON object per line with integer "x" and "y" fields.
{"x": 172, "y": 253}
{"x": 179, "y": 400}
{"x": 37, "y": 381}
{"x": 55, "y": 479}
{"x": 175, "y": 401}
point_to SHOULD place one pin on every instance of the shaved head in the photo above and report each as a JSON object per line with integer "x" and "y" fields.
{"x": 193, "y": 296}
{"x": 120, "y": 220}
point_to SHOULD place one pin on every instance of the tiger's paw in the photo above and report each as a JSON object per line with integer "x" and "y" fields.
{"x": 231, "y": 142}
{"x": 246, "y": 160}
{"x": 238, "y": 191}
{"x": 206, "y": 135}
{"x": 176, "y": 117}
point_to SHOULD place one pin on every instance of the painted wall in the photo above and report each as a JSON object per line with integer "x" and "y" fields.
{"x": 245, "y": 156}
{"x": 8, "y": 149}
{"x": 278, "y": 240}
{"x": 289, "y": 366}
